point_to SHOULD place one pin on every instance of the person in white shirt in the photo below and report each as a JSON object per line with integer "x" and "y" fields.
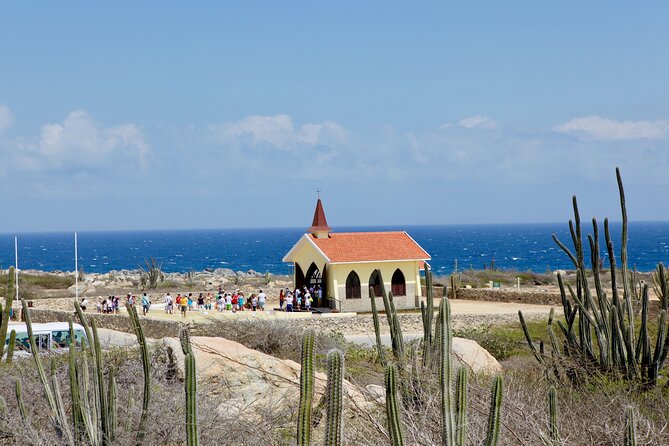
{"x": 169, "y": 305}
{"x": 307, "y": 300}
{"x": 289, "y": 302}
{"x": 262, "y": 297}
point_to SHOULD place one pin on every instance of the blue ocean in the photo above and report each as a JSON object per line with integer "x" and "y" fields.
{"x": 513, "y": 246}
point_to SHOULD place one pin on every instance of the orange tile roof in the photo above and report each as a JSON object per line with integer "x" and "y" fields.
{"x": 369, "y": 247}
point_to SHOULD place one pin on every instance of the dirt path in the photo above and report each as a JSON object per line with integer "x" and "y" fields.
{"x": 474, "y": 307}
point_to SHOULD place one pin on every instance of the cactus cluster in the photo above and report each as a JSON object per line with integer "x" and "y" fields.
{"x": 93, "y": 418}
{"x": 599, "y": 334}
{"x": 553, "y": 437}
{"x": 437, "y": 351}
{"x": 332, "y": 400}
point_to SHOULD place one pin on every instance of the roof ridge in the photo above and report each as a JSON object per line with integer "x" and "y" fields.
{"x": 368, "y": 232}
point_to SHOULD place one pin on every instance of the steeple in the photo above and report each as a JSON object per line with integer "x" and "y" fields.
{"x": 319, "y": 226}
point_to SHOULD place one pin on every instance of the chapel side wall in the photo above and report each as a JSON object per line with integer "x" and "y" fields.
{"x": 364, "y": 271}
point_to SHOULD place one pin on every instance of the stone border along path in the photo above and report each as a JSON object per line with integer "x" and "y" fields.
{"x": 158, "y": 324}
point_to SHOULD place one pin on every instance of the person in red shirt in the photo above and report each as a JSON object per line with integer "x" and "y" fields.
{"x": 235, "y": 301}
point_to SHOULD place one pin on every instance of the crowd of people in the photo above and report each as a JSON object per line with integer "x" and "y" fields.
{"x": 110, "y": 304}
{"x": 222, "y": 301}
{"x": 298, "y": 299}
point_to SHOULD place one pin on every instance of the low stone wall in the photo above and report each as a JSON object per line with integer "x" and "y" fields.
{"x": 437, "y": 291}
{"x": 353, "y": 324}
{"x": 526, "y": 297}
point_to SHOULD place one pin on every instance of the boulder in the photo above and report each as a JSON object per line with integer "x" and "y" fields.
{"x": 376, "y": 392}
{"x": 470, "y": 354}
{"x": 246, "y": 377}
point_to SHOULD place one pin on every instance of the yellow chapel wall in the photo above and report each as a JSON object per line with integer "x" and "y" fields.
{"x": 338, "y": 273}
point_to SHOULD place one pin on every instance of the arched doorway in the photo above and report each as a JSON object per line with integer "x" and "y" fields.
{"x": 376, "y": 284}
{"x": 316, "y": 279}
{"x": 313, "y": 276}
{"x": 353, "y": 286}
{"x": 398, "y": 285}
{"x": 299, "y": 276}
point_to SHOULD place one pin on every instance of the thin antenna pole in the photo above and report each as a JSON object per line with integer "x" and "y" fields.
{"x": 16, "y": 269}
{"x": 76, "y": 268}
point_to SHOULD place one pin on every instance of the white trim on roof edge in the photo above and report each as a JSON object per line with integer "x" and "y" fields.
{"x": 429, "y": 257}
{"x": 298, "y": 243}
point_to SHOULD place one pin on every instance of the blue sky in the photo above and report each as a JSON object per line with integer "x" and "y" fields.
{"x": 232, "y": 114}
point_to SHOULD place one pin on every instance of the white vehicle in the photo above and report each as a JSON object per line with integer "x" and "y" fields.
{"x": 52, "y": 337}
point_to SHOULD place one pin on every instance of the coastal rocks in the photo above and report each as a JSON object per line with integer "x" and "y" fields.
{"x": 224, "y": 272}
{"x": 244, "y": 377}
{"x": 477, "y": 359}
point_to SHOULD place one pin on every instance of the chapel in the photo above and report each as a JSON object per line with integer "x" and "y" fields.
{"x": 347, "y": 265}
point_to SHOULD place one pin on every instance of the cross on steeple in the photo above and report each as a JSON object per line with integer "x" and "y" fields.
{"x": 318, "y": 191}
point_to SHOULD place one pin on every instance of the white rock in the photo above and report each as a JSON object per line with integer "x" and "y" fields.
{"x": 247, "y": 377}
{"x": 375, "y": 392}
{"x": 475, "y": 357}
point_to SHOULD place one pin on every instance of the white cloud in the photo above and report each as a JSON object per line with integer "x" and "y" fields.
{"x": 279, "y": 131}
{"x": 79, "y": 140}
{"x": 6, "y": 118}
{"x": 478, "y": 121}
{"x": 603, "y": 129}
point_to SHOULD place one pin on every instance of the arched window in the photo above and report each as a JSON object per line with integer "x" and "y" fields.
{"x": 375, "y": 284}
{"x": 313, "y": 276}
{"x": 353, "y": 286}
{"x": 398, "y": 285}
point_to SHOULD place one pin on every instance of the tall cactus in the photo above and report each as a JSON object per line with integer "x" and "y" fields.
{"x": 334, "y": 397}
{"x": 19, "y": 400}
{"x": 393, "y": 407}
{"x": 492, "y": 436}
{"x": 461, "y": 399}
{"x": 377, "y": 329}
{"x": 191, "y": 400}
{"x": 600, "y": 325}
{"x": 146, "y": 368}
{"x": 99, "y": 384}
{"x": 446, "y": 374}
{"x": 75, "y": 398}
{"x": 112, "y": 413}
{"x": 55, "y": 414}
{"x": 553, "y": 432}
{"x": 630, "y": 427}
{"x": 306, "y": 389}
{"x": 427, "y": 312}
{"x": 190, "y": 387}
{"x": 11, "y": 346}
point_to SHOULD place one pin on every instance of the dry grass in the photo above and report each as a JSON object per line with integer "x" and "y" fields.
{"x": 591, "y": 414}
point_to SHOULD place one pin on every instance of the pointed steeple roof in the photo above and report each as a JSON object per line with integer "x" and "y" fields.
{"x": 319, "y": 224}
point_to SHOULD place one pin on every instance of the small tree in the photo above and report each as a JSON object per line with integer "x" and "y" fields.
{"x": 152, "y": 275}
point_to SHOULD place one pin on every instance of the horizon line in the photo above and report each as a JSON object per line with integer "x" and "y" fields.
{"x": 89, "y": 231}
